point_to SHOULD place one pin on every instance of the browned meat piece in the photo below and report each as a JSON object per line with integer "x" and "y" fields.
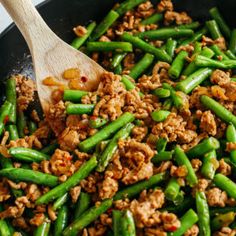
{"x": 216, "y": 197}
{"x": 208, "y": 123}
{"x": 178, "y": 18}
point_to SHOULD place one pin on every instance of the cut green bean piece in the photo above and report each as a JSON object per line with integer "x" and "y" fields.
{"x": 161, "y": 92}
{"x": 118, "y": 70}
{"x": 172, "y": 189}
{"x": 153, "y": 19}
{"x": 116, "y": 219}
{"x": 213, "y": 29}
{"x": 222, "y": 220}
{"x": 82, "y": 204}
{"x": 61, "y": 221}
{"x": 187, "y": 221}
{"x": 43, "y": 229}
{"x": 32, "y": 126}
{"x": 128, "y": 5}
{"x": 203, "y": 214}
{"x": 193, "y": 25}
{"x": 79, "y": 109}
{"x": 21, "y": 124}
{"x": 112, "y": 146}
{"x": 218, "y": 109}
{"x": 170, "y": 47}
{"x": 165, "y": 33}
{"x": 73, "y": 95}
{"x": 218, "y": 52}
{"x": 193, "y": 80}
{"x": 232, "y": 42}
{"x": 230, "y": 55}
{"x": 197, "y": 48}
{"x": 78, "y": 42}
{"x": 97, "y": 122}
{"x": 104, "y": 25}
{"x": 182, "y": 159}
{"x": 4, "y": 229}
{"x": 141, "y": 66}
{"x": 5, "y": 112}
{"x": 177, "y": 65}
{"x": 72, "y": 181}
{"x": 167, "y": 104}
{"x": 209, "y": 165}
{"x": 127, "y": 224}
{"x": 161, "y": 144}
{"x": 133, "y": 190}
{"x": 160, "y": 115}
{"x": 129, "y": 85}
{"x": 162, "y": 156}
{"x": 146, "y": 47}
{"x": 60, "y": 202}
{"x": 109, "y": 46}
{"x": 117, "y": 59}
{"x": 231, "y": 137}
{"x": 225, "y": 184}
{"x": 11, "y": 97}
{"x": 106, "y": 132}
{"x": 13, "y": 133}
{"x": 203, "y": 147}
{"x": 197, "y": 36}
{"x": 215, "y": 14}
{"x": 87, "y": 217}
{"x": 20, "y": 174}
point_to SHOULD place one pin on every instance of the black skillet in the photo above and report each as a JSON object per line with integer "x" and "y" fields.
{"x": 63, "y": 15}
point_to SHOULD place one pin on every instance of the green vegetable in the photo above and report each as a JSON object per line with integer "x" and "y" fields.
{"x": 43, "y": 229}
{"x": 222, "y": 220}
{"x": 21, "y": 124}
{"x": 161, "y": 92}
{"x": 160, "y": 115}
{"x": 73, "y": 95}
{"x": 79, "y": 109}
{"x": 153, "y": 19}
{"x": 129, "y": 85}
{"x": 116, "y": 220}
{"x": 218, "y": 52}
{"x": 97, "y": 122}
{"x": 213, "y": 29}
{"x": 117, "y": 59}
{"x": 13, "y": 133}
{"x": 32, "y": 126}
{"x": 231, "y": 137}
{"x": 60, "y": 201}
{"x": 170, "y": 47}
{"x": 162, "y": 156}
{"x": 209, "y": 165}
{"x": 127, "y": 224}
{"x": 128, "y": 5}
{"x": 197, "y": 36}
{"x": 232, "y": 42}
{"x": 50, "y": 148}
{"x": 109, "y": 46}
{"x": 82, "y": 204}
{"x": 161, "y": 144}
{"x": 61, "y": 221}
{"x": 172, "y": 189}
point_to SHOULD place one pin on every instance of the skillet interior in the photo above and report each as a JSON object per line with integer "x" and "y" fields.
{"x": 62, "y": 16}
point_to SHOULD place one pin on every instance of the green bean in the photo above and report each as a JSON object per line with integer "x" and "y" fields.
{"x": 117, "y": 59}
{"x": 187, "y": 221}
{"x": 87, "y": 217}
{"x": 197, "y": 48}
{"x": 32, "y": 126}
{"x": 118, "y": 70}
{"x": 73, "y": 95}
{"x": 197, "y": 36}
{"x": 60, "y": 202}
{"x": 203, "y": 214}
{"x": 72, "y": 181}
{"x": 43, "y": 229}
{"x": 20, "y": 174}
{"x": 165, "y": 33}
{"x": 167, "y": 104}
{"x": 161, "y": 92}
{"x": 5, "y": 112}
{"x": 177, "y": 100}
{"x": 232, "y": 42}
{"x": 78, "y": 42}
{"x": 21, "y": 124}
{"x": 128, "y": 5}
{"x": 153, "y": 19}
{"x": 11, "y": 97}
{"x": 215, "y": 14}
{"x": 27, "y": 154}
{"x": 139, "y": 43}
{"x": 221, "y": 210}
{"x": 50, "y": 148}
{"x": 209, "y": 165}
{"x": 5, "y": 162}
{"x": 225, "y": 184}
{"x": 82, "y": 204}
{"x": 61, "y": 221}
{"x": 207, "y": 52}
{"x": 161, "y": 144}
{"x": 193, "y": 80}
{"x": 213, "y": 29}
{"x": 1, "y": 128}
{"x": 218, "y": 52}
{"x": 112, "y": 147}
{"x": 179, "y": 198}
{"x": 170, "y": 47}
{"x": 11, "y": 228}
{"x": 231, "y": 137}
{"x": 177, "y": 65}
{"x": 193, "y": 25}
{"x": 13, "y": 133}
{"x": 233, "y": 79}
{"x": 129, "y": 85}
{"x": 127, "y": 224}
{"x": 4, "y": 229}
{"x": 97, "y": 122}
{"x": 162, "y": 156}
{"x": 182, "y": 159}
{"x": 133, "y": 190}
{"x": 172, "y": 189}
{"x": 160, "y": 115}
{"x": 79, "y": 109}
{"x": 230, "y": 55}
{"x": 106, "y": 132}
{"x": 104, "y": 25}
{"x": 207, "y": 145}
{"x": 116, "y": 220}
{"x": 222, "y": 220}
{"x": 141, "y": 66}
{"x": 109, "y": 46}
{"x": 218, "y": 109}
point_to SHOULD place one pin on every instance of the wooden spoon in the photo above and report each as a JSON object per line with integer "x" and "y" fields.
{"x": 51, "y": 56}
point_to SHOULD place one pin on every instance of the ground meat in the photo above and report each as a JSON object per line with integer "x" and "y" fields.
{"x": 225, "y": 231}
{"x": 74, "y": 193}
{"x": 220, "y": 77}
{"x": 165, "y": 5}
{"x": 33, "y": 192}
{"x": 230, "y": 91}
{"x": 164, "y": 166}
{"x": 145, "y": 10}
{"x": 224, "y": 168}
{"x": 80, "y": 30}
{"x": 25, "y": 89}
{"x": 194, "y": 99}
{"x": 12, "y": 212}
{"x": 61, "y": 163}
{"x": 193, "y": 231}
{"x": 208, "y": 123}
{"x": 51, "y": 213}
{"x": 4, "y": 191}
{"x": 201, "y": 186}
{"x": 68, "y": 139}
{"x": 21, "y": 223}
{"x": 178, "y": 18}
{"x": 170, "y": 221}
{"x": 188, "y": 48}
{"x": 89, "y": 184}
{"x": 28, "y": 142}
{"x": 216, "y": 197}
{"x": 38, "y": 219}
{"x": 139, "y": 133}
{"x": 220, "y": 42}
{"x": 180, "y": 171}
{"x": 196, "y": 164}
{"x": 154, "y": 232}
{"x": 108, "y": 187}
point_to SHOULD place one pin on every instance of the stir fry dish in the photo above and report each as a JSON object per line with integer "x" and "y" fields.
{"x": 151, "y": 151}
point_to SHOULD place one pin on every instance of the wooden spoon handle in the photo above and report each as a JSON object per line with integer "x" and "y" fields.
{"x": 29, "y": 22}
